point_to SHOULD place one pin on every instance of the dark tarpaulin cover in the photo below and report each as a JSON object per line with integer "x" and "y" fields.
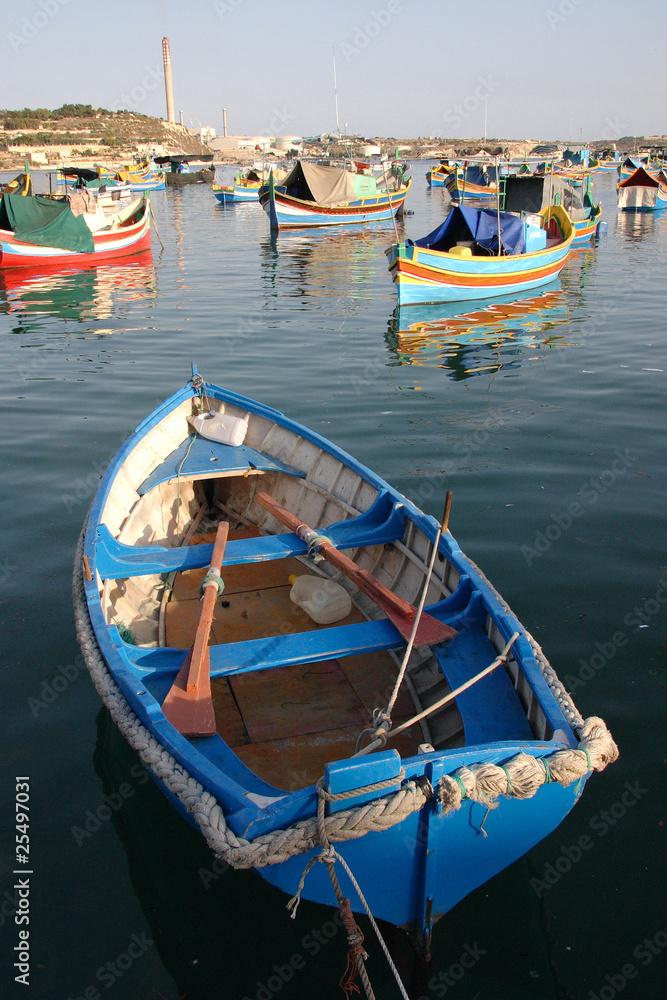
{"x": 478, "y": 224}
{"x": 45, "y": 222}
{"x": 482, "y": 177}
{"x": 531, "y": 194}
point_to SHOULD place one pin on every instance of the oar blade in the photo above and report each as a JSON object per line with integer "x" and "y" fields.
{"x": 191, "y": 712}
{"x": 430, "y": 631}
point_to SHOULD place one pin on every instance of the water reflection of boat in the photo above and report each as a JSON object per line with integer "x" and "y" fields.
{"x": 493, "y": 335}
{"x": 633, "y": 227}
{"x": 325, "y": 263}
{"x": 82, "y": 293}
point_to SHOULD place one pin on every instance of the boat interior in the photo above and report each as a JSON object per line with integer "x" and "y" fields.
{"x": 291, "y": 694}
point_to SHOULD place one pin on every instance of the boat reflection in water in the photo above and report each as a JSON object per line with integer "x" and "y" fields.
{"x": 341, "y": 264}
{"x": 81, "y": 293}
{"x": 634, "y": 227}
{"x": 475, "y": 338}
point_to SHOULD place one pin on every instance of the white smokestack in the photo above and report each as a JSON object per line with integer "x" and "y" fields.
{"x": 169, "y": 90}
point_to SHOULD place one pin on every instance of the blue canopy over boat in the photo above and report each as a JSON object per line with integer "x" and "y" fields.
{"x": 483, "y": 176}
{"x": 479, "y": 225}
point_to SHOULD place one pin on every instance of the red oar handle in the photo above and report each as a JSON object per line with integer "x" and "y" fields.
{"x": 429, "y": 630}
{"x": 208, "y": 607}
{"x": 364, "y": 580}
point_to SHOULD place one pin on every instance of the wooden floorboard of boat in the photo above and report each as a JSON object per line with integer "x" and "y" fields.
{"x": 295, "y": 762}
{"x": 284, "y": 723}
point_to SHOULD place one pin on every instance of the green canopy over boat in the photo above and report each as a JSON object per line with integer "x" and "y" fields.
{"x": 45, "y": 222}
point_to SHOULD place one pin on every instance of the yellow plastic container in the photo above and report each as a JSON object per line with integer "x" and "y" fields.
{"x": 461, "y": 251}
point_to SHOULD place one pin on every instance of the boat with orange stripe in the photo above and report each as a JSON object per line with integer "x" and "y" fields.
{"x": 477, "y": 253}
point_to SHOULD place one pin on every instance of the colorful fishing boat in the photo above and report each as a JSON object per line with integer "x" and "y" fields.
{"x": 140, "y": 177}
{"x": 607, "y": 162}
{"x": 45, "y": 231}
{"x": 21, "y": 184}
{"x": 394, "y": 695}
{"x": 473, "y": 183}
{"x": 465, "y": 258}
{"x": 643, "y": 191}
{"x": 533, "y": 193}
{"x": 438, "y": 176}
{"x": 246, "y": 187}
{"x": 313, "y": 195}
{"x": 180, "y": 172}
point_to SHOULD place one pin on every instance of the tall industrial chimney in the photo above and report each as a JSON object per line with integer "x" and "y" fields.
{"x": 166, "y": 56}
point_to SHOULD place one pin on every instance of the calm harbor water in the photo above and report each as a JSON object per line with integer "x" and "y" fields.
{"x": 546, "y": 419}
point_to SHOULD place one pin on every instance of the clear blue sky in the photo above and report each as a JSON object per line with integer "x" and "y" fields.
{"x": 537, "y": 68}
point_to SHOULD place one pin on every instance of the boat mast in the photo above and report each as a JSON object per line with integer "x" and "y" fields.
{"x": 333, "y": 52}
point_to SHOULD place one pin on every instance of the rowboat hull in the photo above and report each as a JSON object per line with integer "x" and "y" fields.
{"x": 129, "y": 238}
{"x": 422, "y": 275}
{"x": 204, "y": 176}
{"x": 149, "y": 184}
{"x": 235, "y": 193}
{"x": 458, "y": 191}
{"x": 253, "y": 779}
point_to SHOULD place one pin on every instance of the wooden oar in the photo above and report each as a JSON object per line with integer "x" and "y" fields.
{"x": 429, "y": 631}
{"x": 188, "y": 705}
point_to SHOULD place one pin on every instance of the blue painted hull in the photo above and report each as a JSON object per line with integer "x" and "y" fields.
{"x": 420, "y": 868}
{"x": 422, "y": 275}
{"x": 236, "y": 194}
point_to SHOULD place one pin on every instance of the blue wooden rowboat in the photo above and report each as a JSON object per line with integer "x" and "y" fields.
{"x": 486, "y": 753}
{"x": 312, "y": 195}
{"x": 643, "y": 191}
{"x": 459, "y": 260}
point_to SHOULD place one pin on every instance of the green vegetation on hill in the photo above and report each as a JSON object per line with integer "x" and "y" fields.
{"x": 85, "y": 126}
